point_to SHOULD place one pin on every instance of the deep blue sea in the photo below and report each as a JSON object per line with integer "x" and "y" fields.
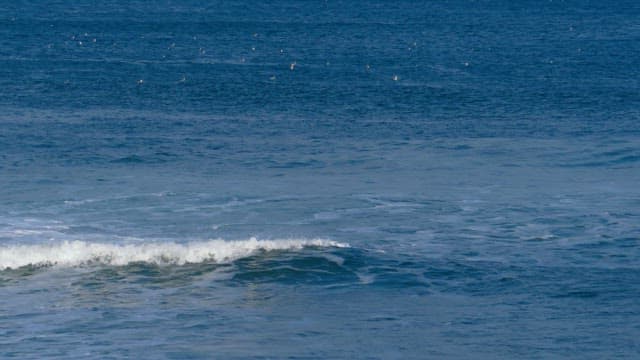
{"x": 319, "y": 179}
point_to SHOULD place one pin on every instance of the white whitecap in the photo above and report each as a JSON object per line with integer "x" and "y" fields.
{"x": 76, "y": 253}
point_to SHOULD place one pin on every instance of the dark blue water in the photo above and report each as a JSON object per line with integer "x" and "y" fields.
{"x": 204, "y": 179}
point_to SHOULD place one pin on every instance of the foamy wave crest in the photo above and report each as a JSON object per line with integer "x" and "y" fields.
{"x": 76, "y": 253}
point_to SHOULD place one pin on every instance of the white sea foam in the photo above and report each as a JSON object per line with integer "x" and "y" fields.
{"x": 75, "y": 253}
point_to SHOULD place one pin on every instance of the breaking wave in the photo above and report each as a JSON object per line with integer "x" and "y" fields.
{"x": 76, "y": 253}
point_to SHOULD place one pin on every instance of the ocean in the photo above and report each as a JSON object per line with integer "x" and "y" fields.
{"x": 319, "y": 179}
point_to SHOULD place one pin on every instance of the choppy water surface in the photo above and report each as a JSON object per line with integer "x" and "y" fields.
{"x": 319, "y": 180}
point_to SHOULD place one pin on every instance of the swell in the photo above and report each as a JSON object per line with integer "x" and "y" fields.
{"x": 613, "y": 157}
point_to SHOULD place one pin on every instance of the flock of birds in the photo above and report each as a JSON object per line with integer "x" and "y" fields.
{"x": 85, "y": 39}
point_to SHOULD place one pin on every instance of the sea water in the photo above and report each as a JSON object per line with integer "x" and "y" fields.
{"x": 319, "y": 179}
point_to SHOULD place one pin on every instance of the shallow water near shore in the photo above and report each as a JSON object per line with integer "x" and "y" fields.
{"x": 319, "y": 180}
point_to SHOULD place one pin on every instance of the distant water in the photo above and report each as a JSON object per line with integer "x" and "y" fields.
{"x": 319, "y": 179}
